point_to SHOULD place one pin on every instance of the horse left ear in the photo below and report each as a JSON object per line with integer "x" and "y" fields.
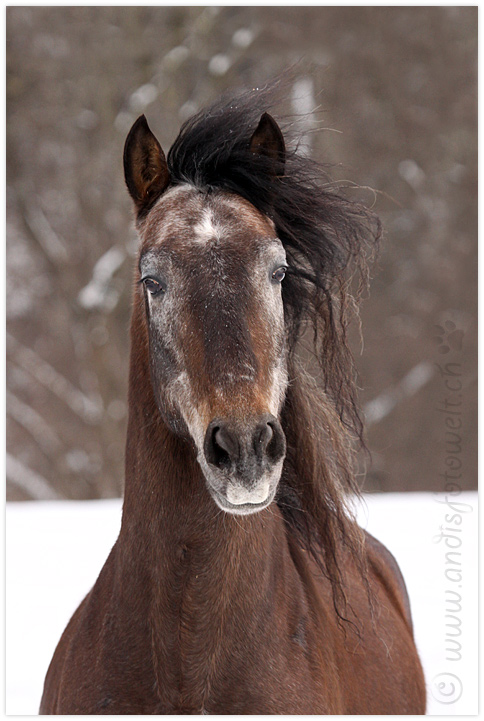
{"x": 145, "y": 168}
{"x": 267, "y": 140}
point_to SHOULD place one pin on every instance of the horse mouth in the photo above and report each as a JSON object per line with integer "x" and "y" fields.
{"x": 241, "y": 509}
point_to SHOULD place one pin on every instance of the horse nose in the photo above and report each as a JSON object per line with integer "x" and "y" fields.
{"x": 246, "y": 447}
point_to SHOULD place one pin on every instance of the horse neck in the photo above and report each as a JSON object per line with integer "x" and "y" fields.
{"x": 168, "y": 511}
{"x": 200, "y": 586}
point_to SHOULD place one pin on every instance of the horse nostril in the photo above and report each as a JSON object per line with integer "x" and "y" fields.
{"x": 262, "y": 438}
{"x": 221, "y": 446}
{"x": 225, "y": 441}
{"x": 276, "y": 446}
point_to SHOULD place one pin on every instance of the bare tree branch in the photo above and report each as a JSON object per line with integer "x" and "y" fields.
{"x": 46, "y": 438}
{"x": 89, "y": 409}
{"x": 382, "y": 405}
{"x": 28, "y": 480}
{"x": 50, "y": 242}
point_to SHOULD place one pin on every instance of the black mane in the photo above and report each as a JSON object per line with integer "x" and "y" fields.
{"x": 320, "y": 228}
{"x": 328, "y": 238}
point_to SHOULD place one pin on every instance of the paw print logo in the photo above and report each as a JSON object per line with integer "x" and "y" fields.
{"x": 449, "y": 338}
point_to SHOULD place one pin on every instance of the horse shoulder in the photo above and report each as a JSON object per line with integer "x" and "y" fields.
{"x": 53, "y": 679}
{"x": 78, "y": 647}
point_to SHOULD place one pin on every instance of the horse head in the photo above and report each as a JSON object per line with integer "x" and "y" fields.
{"x": 210, "y": 272}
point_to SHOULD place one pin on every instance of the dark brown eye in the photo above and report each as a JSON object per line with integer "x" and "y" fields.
{"x": 279, "y": 275}
{"x": 153, "y": 286}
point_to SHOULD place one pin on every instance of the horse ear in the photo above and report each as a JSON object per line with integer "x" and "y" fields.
{"x": 145, "y": 168}
{"x": 267, "y": 140}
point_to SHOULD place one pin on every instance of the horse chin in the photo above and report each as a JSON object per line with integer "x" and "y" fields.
{"x": 232, "y": 495}
{"x": 241, "y": 509}
{"x": 241, "y": 493}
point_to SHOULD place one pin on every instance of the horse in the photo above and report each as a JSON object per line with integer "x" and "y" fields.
{"x": 240, "y": 582}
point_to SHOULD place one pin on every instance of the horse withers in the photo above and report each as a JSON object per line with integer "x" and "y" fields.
{"x": 240, "y": 582}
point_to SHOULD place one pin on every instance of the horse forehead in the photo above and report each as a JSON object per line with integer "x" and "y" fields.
{"x": 187, "y": 218}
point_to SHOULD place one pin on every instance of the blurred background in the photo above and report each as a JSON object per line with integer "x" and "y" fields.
{"x": 397, "y": 88}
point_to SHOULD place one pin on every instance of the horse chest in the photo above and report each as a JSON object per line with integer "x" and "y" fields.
{"x": 220, "y": 653}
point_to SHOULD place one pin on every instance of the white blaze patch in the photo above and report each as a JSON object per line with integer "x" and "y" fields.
{"x": 205, "y": 230}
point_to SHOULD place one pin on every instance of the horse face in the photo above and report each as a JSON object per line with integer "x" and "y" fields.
{"x": 210, "y": 271}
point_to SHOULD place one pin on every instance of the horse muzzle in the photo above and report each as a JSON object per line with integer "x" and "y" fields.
{"x": 243, "y": 462}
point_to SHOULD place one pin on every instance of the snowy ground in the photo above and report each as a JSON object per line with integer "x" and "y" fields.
{"x": 56, "y": 549}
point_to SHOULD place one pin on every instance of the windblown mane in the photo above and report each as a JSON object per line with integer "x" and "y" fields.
{"x": 328, "y": 240}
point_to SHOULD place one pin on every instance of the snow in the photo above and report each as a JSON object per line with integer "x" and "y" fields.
{"x": 175, "y": 57}
{"x": 219, "y": 64}
{"x": 55, "y": 550}
{"x": 243, "y": 38}
{"x": 98, "y": 294}
{"x": 142, "y": 97}
{"x": 304, "y": 103}
{"x": 410, "y": 171}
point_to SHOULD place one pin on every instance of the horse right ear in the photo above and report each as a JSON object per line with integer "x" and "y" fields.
{"x": 145, "y": 168}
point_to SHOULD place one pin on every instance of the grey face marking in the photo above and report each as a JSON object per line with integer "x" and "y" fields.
{"x": 217, "y": 336}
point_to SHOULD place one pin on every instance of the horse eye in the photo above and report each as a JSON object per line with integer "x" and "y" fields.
{"x": 153, "y": 286}
{"x": 279, "y": 275}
